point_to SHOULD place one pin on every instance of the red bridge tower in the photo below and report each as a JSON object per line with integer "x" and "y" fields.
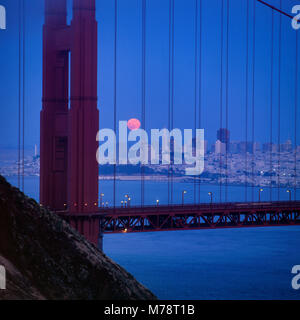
{"x": 69, "y": 117}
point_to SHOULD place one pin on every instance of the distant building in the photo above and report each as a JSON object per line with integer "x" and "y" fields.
{"x": 223, "y": 135}
{"x": 205, "y": 145}
{"x": 245, "y": 147}
{"x": 256, "y": 147}
{"x": 287, "y": 146}
{"x": 234, "y": 147}
{"x": 220, "y": 147}
{"x": 269, "y": 147}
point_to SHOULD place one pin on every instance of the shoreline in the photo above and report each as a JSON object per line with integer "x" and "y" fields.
{"x": 177, "y": 179}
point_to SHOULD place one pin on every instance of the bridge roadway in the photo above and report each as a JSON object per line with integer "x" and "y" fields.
{"x": 184, "y": 217}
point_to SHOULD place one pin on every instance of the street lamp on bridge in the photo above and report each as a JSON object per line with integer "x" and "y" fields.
{"x": 259, "y": 192}
{"x": 290, "y": 194}
{"x": 128, "y": 199}
{"x": 211, "y": 197}
{"x": 101, "y": 197}
{"x": 183, "y": 193}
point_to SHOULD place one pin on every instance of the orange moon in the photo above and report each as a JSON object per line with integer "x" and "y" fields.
{"x": 133, "y": 124}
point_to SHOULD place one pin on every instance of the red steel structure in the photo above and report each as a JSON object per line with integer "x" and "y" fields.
{"x": 184, "y": 217}
{"x": 69, "y": 122}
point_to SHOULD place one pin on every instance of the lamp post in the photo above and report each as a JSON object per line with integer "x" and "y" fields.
{"x": 183, "y": 193}
{"x": 259, "y": 192}
{"x": 127, "y": 201}
{"x": 101, "y": 197}
{"x": 290, "y": 194}
{"x": 211, "y": 197}
{"x": 122, "y": 202}
{"x": 157, "y": 202}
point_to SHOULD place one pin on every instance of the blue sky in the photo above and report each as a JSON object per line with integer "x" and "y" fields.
{"x": 129, "y": 68}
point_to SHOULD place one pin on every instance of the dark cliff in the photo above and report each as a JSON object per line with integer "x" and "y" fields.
{"x": 46, "y": 259}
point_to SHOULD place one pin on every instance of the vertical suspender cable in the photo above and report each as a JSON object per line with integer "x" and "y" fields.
{"x": 279, "y": 104}
{"x": 195, "y": 83}
{"x": 172, "y": 96}
{"x": 200, "y": 83}
{"x": 253, "y": 97}
{"x": 226, "y": 106}
{"x": 143, "y": 93}
{"x": 221, "y": 97}
{"x": 171, "y": 92}
{"x": 115, "y": 95}
{"x": 246, "y": 104}
{"x": 271, "y": 107}
{"x": 23, "y": 97}
{"x": 19, "y": 93}
{"x": 295, "y": 117}
{"x": 169, "y": 89}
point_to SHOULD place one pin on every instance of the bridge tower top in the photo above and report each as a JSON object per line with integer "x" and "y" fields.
{"x": 55, "y": 12}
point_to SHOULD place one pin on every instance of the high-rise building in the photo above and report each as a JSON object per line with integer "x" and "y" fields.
{"x": 223, "y": 135}
{"x": 220, "y": 147}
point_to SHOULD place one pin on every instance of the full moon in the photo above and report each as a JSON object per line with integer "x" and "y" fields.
{"x": 133, "y": 124}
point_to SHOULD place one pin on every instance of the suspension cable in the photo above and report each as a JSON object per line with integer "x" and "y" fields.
{"x": 143, "y": 93}
{"x": 271, "y": 108}
{"x": 295, "y": 116}
{"x": 23, "y": 98}
{"x": 115, "y": 95}
{"x": 253, "y": 95}
{"x": 200, "y": 83}
{"x": 221, "y": 97}
{"x": 195, "y": 84}
{"x": 226, "y": 106}
{"x": 279, "y": 103}
{"x": 171, "y": 93}
{"x": 19, "y": 97}
{"x": 246, "y": 104}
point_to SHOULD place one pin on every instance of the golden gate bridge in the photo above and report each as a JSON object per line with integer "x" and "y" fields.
{"x": 70, "y": 122}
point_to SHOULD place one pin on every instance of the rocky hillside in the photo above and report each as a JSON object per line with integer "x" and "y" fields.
{"x": 46, "y": 259}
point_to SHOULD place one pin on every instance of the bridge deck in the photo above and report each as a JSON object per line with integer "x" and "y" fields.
{"x": 188, "y": 217}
